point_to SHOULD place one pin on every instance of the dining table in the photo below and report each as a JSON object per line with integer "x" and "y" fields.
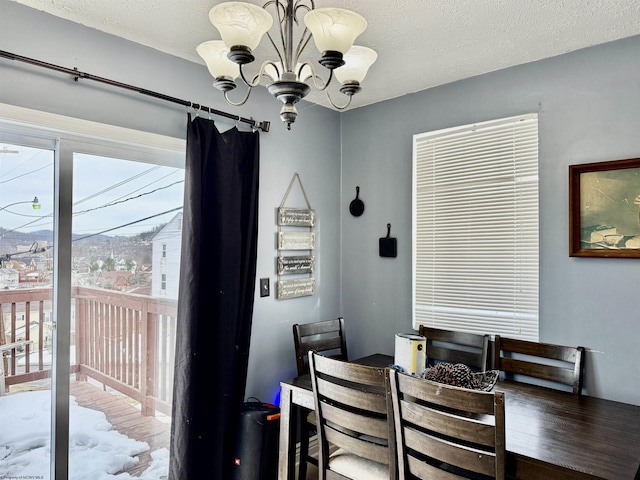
{"x": 550, "y": 434}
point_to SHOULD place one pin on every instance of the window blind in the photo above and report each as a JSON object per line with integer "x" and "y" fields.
{"x": 475, "y": 228}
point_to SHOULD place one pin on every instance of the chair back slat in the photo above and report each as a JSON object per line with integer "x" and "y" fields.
{"x": 350, "y": 372}
{"x": 455, "y": 454}
{"x": 347, "y": 395}
{"x": 443, "y": 422}
{"x": 358, "y": 446}
{"x": 436, "y": 354}
{"x": 554, "y": 363}
{"x": 453, "y": 397}
{"x": 537, "y": 349}
{"x": 446, "y": 432}
{"x": 425, "y": 471}
{"x": 449, "y": 346}
{"x": 327, "y": 337}
{"x": 366, "y": 425}
{"x": 538, "y": 370}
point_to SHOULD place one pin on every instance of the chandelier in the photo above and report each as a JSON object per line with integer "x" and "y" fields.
{"x": 288, "y": 78}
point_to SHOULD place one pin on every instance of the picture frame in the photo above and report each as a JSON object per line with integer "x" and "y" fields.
{"x": 604, "y": 209}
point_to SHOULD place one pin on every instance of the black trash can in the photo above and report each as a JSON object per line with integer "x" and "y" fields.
{"x": 256, "y": 448}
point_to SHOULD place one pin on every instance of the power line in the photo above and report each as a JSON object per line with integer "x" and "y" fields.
{"x": 7, "y": 256}
{"x": 127, "y": 224}
{"x": 21, "y": 164}
{"x": 150, "y": 183}
{"x": 40, "y": 217}
{"x": 27, "y": 173}
{"x": 126, "y": 199}
{"x": 116, "y": 185}
{"x": 24, "y": 214}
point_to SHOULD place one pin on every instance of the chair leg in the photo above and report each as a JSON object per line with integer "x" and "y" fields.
{"x": 307, "y": 429}
{"x": 304, "y": 444}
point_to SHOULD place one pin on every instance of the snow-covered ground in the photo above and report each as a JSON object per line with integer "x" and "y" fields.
{"x": 96, "y": 451}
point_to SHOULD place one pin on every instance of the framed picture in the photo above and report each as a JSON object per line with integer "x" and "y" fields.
{"x": 604, "y": 209}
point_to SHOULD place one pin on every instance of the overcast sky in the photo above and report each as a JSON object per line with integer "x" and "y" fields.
{"x": 107, "y": 192}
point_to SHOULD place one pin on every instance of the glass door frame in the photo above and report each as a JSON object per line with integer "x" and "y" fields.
{"x": 67, "y": 136}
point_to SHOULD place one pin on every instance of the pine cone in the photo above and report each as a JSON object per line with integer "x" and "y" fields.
{"x": 457, "y": 374}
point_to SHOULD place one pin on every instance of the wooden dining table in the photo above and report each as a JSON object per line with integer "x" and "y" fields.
{"x": 550, "y": 434}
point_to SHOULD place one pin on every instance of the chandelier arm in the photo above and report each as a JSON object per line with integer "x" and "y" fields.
{"x": 304, "y": 41}
{"x": 272, "y": 2}
{"x": 339, "y": 107}
{"x": 257, "y": 77}
{"x": 242, "y": 102}
{"x": 319, "y": 86}
{"x": 275, "y": 47}
{"x": 306, "y": 34}
{"x": 299, "y": 5}
{"x": 247, "y": 82}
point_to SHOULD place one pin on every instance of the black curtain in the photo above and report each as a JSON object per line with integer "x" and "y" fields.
{"x": 215, "y": 305}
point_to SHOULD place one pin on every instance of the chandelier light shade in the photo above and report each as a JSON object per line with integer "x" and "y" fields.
{"x": 288, "y": 78}
{"x": 215, "y": 54}
{"x": 334, "y": 30}
{"x": 241, "y": 26}
{"x": 357, "y": 62}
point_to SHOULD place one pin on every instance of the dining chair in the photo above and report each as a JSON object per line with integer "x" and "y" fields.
{"x": 471, "y": 349}
{"x": 352, "y": 421}
{"x": 446, "y": 432}
{"x": 327, "y": 337}
{"x": 553, "y": 363}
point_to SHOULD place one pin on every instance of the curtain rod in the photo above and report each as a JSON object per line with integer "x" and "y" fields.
{"x": 264, "y": 126}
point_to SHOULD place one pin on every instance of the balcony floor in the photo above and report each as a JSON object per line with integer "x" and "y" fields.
{"x": 126, "y": 419}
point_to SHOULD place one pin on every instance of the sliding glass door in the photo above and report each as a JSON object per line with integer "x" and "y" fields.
{"x": 123, "y": 328}
{"x": 89, "y": 319}
{"x": 26, "y": 308}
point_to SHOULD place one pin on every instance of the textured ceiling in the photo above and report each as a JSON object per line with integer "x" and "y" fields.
{"x": 420, "y": 43}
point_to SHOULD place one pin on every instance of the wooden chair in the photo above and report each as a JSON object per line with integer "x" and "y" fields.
{"x": 446, "y": 432}
{"x": 471, "y": 349}
{"x": 545, "y": 361}
{"x": 328, "y": 337}
{"x": 351, "y": 410}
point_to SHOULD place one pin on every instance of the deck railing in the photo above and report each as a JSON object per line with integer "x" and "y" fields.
{"x": 124, "y": 341}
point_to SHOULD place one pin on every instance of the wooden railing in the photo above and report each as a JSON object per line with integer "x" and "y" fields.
{"x": 31, "y": 304}
{"x": 124, "y": 341}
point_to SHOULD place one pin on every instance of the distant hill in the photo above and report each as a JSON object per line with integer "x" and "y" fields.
{"x": 97, "y": 246}
{"x": 27, "y": 238}
{"x": 10, "y": 241}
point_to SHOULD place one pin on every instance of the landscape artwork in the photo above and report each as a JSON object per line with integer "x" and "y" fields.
{"x": 604, "y": 209}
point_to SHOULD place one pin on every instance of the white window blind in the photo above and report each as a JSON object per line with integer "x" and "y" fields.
{"x": 475, "y": 228}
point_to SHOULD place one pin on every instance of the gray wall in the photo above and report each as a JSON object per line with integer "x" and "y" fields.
{"x": 589, "y": 111}
{"x": 589, "y": 105}
{"x": 311, "y": 148}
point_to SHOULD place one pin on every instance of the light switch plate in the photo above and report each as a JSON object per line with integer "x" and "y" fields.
{"x": 264, "y": 287}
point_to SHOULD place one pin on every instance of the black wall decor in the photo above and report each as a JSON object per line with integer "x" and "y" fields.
{"x": 388, "y": 245}
{"x": 356, "y": 207}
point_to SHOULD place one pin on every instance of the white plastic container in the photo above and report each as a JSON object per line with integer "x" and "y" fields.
{"x": 410, "y": 352}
